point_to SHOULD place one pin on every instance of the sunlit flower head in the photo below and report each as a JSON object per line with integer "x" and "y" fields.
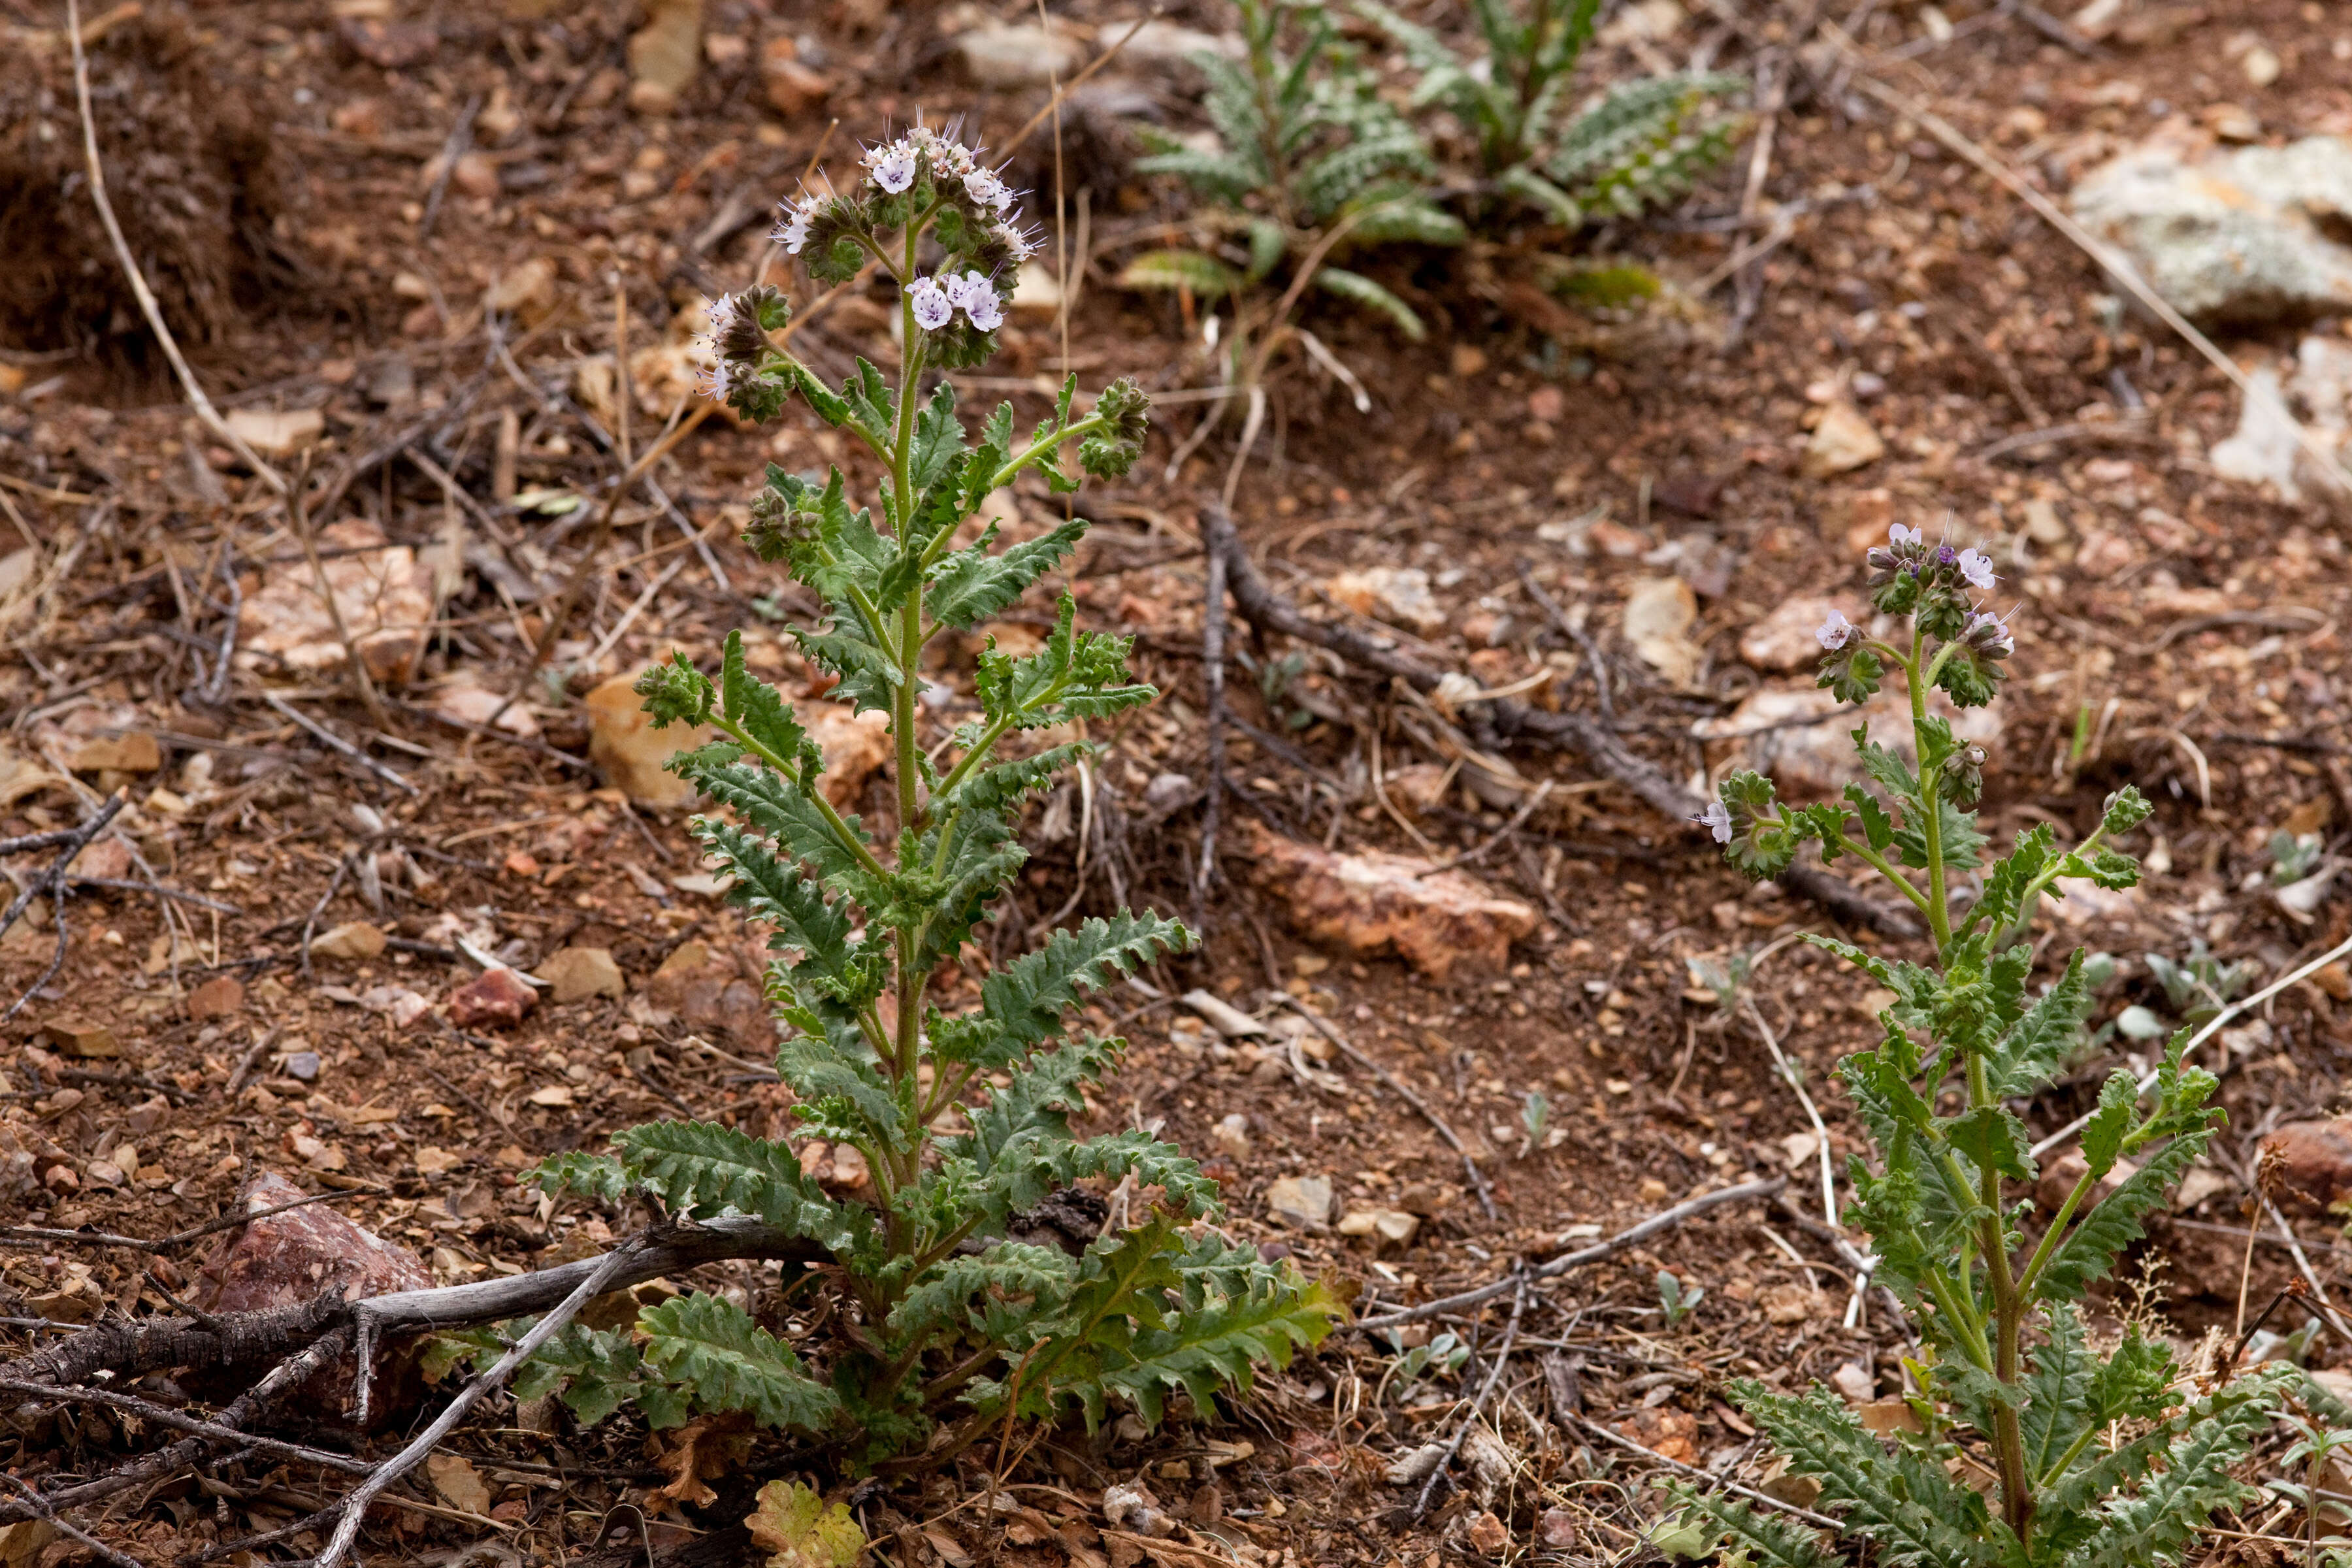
{"x": 1835, "y": 633}
{"x": 1715, "y": 819}
{"x": 1977, "y": 567}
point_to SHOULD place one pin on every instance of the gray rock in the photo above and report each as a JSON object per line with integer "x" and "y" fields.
{"x": 2230, "y": 237}
{"x": 1302, "y": 1201}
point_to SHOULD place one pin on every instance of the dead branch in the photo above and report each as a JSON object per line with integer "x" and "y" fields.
{"x": 133, "y": 1348}
{"x": 1665, "y": 1220}
{"x": 1501, "y": 720}
{"x": 53, "y": 882}
{"x": 49, "y": 1236}
{"x": 355, "y": 1507}
{"x": 1486, "y": 1392}
{"x": 242, "y": 1412}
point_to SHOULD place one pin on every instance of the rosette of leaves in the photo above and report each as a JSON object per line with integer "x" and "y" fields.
{"x": 2107, "y": 1454}
{"x": 938, "y": 1326}
{"x": 1644, "y": 143}
{"x": 1309, "y": 163}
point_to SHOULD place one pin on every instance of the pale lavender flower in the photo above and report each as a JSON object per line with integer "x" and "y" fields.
{"x": 1835, "y": 633}
{"x": 1977, "y": 567}
{"x": 984, "y": 187}
{"x": 1715, "y": 819}
{"x": 715, "y": 380}
{"x": 980, "y": 302}
{"x": 1901, "y": 538}
{"x": 893, "y": 165}
{"x": 932, "y": 307}
{"x": 794, "y": 230}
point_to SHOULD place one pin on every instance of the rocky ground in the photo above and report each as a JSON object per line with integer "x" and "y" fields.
{"x": 389, "y": 949}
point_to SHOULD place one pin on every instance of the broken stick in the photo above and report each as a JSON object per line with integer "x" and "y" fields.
{"x": 1505, "y": 718}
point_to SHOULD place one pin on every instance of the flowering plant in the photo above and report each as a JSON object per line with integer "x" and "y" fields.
{"x": 2019, "y": 1445}
{"x": 935, "y": 1318}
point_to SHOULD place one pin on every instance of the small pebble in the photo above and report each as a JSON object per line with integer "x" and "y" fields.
{"x": 303, "y": 1065}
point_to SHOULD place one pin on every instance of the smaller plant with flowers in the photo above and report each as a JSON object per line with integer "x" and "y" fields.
{"x": 2027, "y": 1447}
{"x": 925, "y": 1325}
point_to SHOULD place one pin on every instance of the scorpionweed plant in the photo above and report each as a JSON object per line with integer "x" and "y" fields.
{"x": 934, "y": 1326}
{"x": 1642, "y": 144}
{"x": 1309, "y": 163}
{"x": 2032, "y": 1446}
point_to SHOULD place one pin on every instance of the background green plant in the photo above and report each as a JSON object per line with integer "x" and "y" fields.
{"x": 2105, "y": 1456}
{"x": 1309, "y": 163}
{"x": 939, "y": 1326}
{"x": 1642, "y": 144}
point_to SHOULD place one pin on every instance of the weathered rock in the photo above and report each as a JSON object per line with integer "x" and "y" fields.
{"x": 1232, "y": 1136}
{"x": 1843, "y": 442}
{"x": 1387, "y": 1227}
{"x": 273, "y": 434}
{"x": 81, "y": 1037}
{"x": 664, "y": 55}
{"x": 1131, "y": 1506}
{"x": 1658, "y": 615}
{"x": 1397, "y": 595}
{"x": 384, "y": 593}
{"x": 630, "y": 753}
{"x": 701, "y": 987}
{"x": 132, "y": 751}
{"x": 2266, "y": 448}
{"x": 1009, "y": 59}
{"x": 294, "y": 1257}
{"x": 1488, "y": 1535}
{"x": 2307, "y": 1166}
{"x": 1783, "y": 640}
{"x": 1303, "y": 1202}
{"x": 1165, "y": 43}
{"x": 2240, "y": 235}
{"x": 468, "y": 701}
{"x": 855, "y": 746}
{"x": 1376, "y": 901}
{"x": 499, "y": 996}
{"x": 794, "y": 88}
{"x": 526, "y": 290}
{"x": 1813, "y": 759}
{"x": 352, "y": 938}
{"x": 576, "y": 974}
{"x": 222, "y": 997}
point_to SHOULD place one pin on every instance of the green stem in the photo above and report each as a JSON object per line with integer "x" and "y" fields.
{"x": 2074, "y": 1452}
{"x": 1045, "y": 445}
{"x": 1931, "y": 826}
{"x": 2049, "y": 1248}
{"x": 2009, "y": 1319}
{"x": 833, "y": 818}
{"x": 1885, "y": 868}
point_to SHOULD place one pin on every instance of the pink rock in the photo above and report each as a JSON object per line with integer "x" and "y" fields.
{"x": 499, "y": 996}
{"x": 295, "y": 1258}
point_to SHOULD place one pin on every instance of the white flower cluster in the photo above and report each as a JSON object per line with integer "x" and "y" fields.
{"x": 891, "y": 167}
{"x": 714, "y": 378}
{"x": 793, "y": 231}
{"x": 937, "y": 300}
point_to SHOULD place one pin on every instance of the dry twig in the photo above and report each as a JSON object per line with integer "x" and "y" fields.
{"x": 1665, "y": 1220}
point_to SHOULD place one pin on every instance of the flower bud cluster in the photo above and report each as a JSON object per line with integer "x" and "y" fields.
{"x": 919, "y": 176}
{"x": 736, "y": 344}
